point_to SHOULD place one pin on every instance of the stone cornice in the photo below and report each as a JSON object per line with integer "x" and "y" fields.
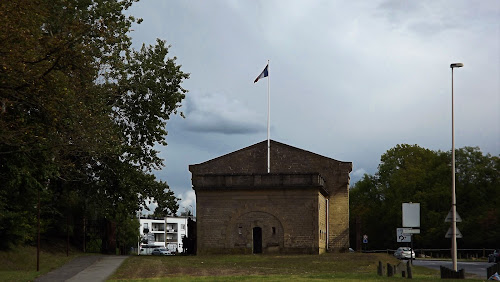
{"x": 259, "y": 181}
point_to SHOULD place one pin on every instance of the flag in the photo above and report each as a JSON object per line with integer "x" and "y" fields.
{"x": 263, "y": 74}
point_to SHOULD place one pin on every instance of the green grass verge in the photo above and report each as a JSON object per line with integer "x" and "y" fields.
{"x": 341, "y": 267}
{"x": 19, "y": 264}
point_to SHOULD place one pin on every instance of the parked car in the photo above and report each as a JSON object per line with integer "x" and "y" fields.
{"x": 495, "y": 256}
{"x": 404, "y": 253}
{"x": 161, "y": 252}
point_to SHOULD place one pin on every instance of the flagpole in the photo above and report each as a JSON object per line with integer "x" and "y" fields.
{"x": 268, "y": 120}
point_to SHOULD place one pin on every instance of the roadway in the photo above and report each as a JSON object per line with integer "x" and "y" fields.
{"x": 477, "y": 268}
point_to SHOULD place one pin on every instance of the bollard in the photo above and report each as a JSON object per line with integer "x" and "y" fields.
{"x": 408, "y": 269}
{"x": 449, "y": 273}
{"x": 390, "y": 270}
{"x": 379, "y": 268}
{"x": 461, "y": 274}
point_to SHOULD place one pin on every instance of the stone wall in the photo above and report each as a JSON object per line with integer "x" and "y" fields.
{"x": 288, "y": 219}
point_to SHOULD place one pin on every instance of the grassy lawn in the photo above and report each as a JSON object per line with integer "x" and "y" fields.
{"x": 341, "y": 267}
{"x": 19, "y": 264}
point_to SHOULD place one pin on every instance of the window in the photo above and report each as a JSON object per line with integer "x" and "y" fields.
{"x": 274, "y": 230}
{"x": 145, "y": 226}
{"x": 240, "y": 230}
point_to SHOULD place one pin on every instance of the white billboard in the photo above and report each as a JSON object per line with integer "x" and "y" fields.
{"x": 411, "y": 214}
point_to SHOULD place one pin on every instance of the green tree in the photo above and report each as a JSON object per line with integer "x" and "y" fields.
{"x": 80, "y": 113}
{"x": 187, "y": 212}
{"x": 409, "y": 173}
{"x": 127, "y": 233}
{"x": 365, "y": 200}
{"x": 478, "y": 196}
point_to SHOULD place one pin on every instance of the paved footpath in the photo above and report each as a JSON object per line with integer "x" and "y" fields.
{"x": 85, "y": 268}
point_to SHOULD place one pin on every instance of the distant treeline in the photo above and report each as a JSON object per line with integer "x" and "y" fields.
{"x": 409, "y": 173}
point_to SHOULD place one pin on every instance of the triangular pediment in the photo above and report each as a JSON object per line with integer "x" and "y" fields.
{"x": 284, "y": 159}
{"x": 254, "y": 159}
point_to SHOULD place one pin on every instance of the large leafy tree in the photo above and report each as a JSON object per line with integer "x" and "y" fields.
{"x": 409, "y": 173}
{"x": 478, "y": 196}
{"x": 81, "y": 112}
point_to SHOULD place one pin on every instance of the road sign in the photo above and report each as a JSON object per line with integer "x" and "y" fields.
{"x": 411, "y": 231}
{"x": 411, "y": 214}
{"x": 449, "y": 217}
{"x": 365, "y": 239}
{"x": 402, "y": 237}
{"x": 450, "y": 232}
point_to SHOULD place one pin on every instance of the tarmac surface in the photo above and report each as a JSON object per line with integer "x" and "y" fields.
{"x": 85, "y": 268}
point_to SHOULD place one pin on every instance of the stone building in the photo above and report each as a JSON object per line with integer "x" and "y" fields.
{"x": 301, "y": 206}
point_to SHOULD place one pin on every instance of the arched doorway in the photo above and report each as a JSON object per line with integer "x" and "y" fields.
{"x": 242, "y": 235}
{"x": 257, "y": 240}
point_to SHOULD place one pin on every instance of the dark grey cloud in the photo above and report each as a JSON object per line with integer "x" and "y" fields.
{"x": 216, "y": 113}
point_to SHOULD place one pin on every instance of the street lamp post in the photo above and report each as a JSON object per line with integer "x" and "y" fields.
{"x": 453, "y": 196}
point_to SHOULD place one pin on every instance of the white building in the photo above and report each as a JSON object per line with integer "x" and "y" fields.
{"x": 167, "y": 232}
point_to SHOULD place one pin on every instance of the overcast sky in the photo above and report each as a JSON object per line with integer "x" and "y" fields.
{"x": 348, "y": 79}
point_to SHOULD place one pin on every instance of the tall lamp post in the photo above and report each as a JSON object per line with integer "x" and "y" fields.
{"x": 453, "y": 196}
